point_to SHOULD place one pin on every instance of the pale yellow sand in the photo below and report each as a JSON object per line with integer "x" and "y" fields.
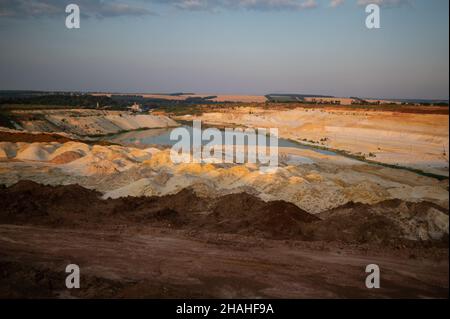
{"x": 312, "y": 181}
{"x": 89, "y": 122}
{"x": 418, "y": 141}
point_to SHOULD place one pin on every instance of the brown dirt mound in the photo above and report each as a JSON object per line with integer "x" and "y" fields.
{"x": 31, "y": 203}
{"x": 243, "y": 211}
{"x": 66, "y": 157}
{"x": 33, "y": 138}
{"x": 74, "y": 206}
{"x": 384, "y": 222}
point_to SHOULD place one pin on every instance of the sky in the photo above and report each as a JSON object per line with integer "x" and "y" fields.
{"x": 228, "y": 47}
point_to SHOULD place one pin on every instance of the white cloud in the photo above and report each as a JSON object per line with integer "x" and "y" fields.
{"x": 115, "y": 8}
{"x": 257, "y": 5}
{"x": 49, "y": 8}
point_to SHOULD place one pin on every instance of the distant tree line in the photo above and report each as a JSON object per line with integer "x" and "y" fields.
{"x": 79, "y": 101}
{"x": 115, "y": 102}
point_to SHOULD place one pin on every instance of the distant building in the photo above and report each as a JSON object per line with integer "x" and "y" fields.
{"x": 136, "y": 108}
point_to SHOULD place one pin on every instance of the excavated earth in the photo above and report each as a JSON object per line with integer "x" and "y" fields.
{"x": 141, "y": 227}
{"x": 183, "y": 245}
{"x": 415, "y": 138}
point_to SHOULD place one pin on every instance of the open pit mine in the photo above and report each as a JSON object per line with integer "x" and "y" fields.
{"x": 98, "y": 189}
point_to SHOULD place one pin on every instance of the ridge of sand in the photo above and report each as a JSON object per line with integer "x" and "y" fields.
{"x": 322, "y": 183}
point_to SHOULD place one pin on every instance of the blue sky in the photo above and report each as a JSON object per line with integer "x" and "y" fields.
{"x": 228, "y": 46}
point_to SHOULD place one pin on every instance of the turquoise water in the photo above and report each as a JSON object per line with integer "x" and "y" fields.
{"x": 152, "y": 137}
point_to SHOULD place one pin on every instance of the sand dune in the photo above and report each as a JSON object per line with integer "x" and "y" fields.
{"x": 33, "y": 152}
{"x": 318, "y": 184}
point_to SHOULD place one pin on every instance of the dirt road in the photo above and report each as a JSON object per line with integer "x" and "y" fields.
{"x": 162, "y": 263}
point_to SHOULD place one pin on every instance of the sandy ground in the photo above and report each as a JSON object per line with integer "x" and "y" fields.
{"x": 313, "y": 181}
{"x": 217, "y": 233}
{"x": 407, "y": 139}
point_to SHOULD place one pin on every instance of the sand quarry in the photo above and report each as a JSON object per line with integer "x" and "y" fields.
{"x": 312, "y": 181}
{"x": 86, "y": 122}
{"x": 412, "y": 140}
{"x": 307, "y": 229}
